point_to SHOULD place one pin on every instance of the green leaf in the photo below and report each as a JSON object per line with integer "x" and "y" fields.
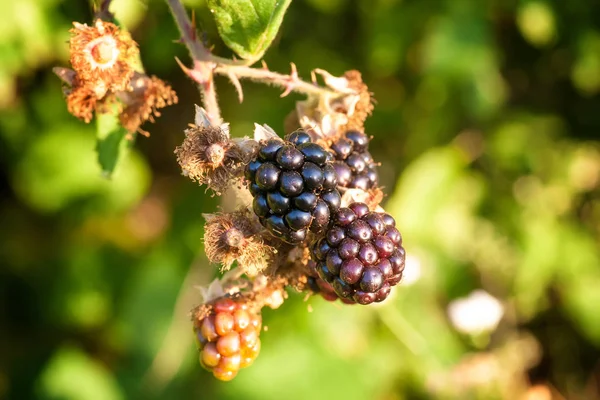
{"x": 110, "y": 142}
{"x": 248, "y": 26}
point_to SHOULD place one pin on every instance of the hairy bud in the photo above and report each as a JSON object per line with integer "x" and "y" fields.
{"x": 230, "y": 237}
{"x": 208, "y": 156}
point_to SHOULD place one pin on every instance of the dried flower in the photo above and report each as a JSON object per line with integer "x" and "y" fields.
{"x": 103, "y": 56}
{"x": 81, "y": 102}
{"x": 230, "y": 237}
{"x": 208, "y": 156}
{"x": 148, "y": 94}
{"x": 363, "y": 107}
{"x": 371, "y": 198}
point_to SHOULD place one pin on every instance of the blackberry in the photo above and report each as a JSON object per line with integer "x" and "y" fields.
{"x": 228, "y": 338}
{"x": 294, "y": 187}
{"x": 361, "y": 255}
{"x": 318, "y": 285}
{"x": 353, "y": 163}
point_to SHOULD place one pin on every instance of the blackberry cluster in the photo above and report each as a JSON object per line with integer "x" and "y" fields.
{"x": 353, "y": 163}
{"x": 361, "y": 256}
{"x": 294, "y": 187}
{"x": 228, "y": 338}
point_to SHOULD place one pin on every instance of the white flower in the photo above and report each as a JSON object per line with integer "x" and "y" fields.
{"x": 477, "y": 313}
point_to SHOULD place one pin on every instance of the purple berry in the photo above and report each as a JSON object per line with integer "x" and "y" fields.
{"x": 360, "y": 255}
{"x": 354, "y": 164}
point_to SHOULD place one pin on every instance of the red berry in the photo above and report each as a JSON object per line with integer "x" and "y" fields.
{"x": 208, "y": 328}
{"x": 223, "y": 323}
{"x": 242, "y": 320}
{"x": 228, "y": 337}
{"x": 224, "y": 374}
{"x": 229, "y": 344}
{"x": 210, "y": 356}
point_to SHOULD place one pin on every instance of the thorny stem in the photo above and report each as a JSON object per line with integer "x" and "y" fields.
{"x": 203, "y": 62}
{"x": 206, "y": 65}
{"x": 188, "y": 34}
{"x": 291, "y": 83}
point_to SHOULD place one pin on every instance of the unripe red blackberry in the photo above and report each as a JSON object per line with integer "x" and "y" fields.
{"x": 294, "y": 187}
{"x": 228, "y": 337}
{"x": 353, "y": 163}
{"x": 361, "y": 255}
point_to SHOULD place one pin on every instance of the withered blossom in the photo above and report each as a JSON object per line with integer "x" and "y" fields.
{"x": 103, "y": 79}
{"x": 363, "y": 107}
{"x": 81, "y": 102}
{"x": 148, "y": 94}
{"x": 208, "y": 156}
{"x": 103, "y": 56}
{"x": 230, "y": 237}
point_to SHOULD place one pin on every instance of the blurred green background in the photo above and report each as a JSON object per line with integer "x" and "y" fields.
{"x": 486, "y": 126}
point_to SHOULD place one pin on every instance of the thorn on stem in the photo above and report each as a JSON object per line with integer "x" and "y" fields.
{"x": 291, "y": 81}
{"x": 185, "y": 69}
{"x": 238, "y": 86}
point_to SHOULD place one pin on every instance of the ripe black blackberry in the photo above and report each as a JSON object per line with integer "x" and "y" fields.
{"x": 361, "y": 255}
{"x": 353, "y": 163}
{"x": 294, "y": 187}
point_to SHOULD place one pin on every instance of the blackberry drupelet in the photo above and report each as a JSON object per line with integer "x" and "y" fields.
{"x": 294, "y": 187}
{"x": 319, "y": 286}
{"x": 361, "y": 255}
{"x": 353, "y": 163}
{"x": 228, "y": 338}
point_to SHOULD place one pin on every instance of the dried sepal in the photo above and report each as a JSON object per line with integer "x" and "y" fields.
{"x": 208, "y": 156}
{"x": 363, "y": 107}
{"x": 327, "y": 115}
{"x": 201, "y": 119}
{"x": 81, "y": 102}
{"x": 148, "y": 94}
{"x": 264, "y": 132}
{"x": 235, "y": 236}
{"x": 103, "y": 56}
{"x": 290, "y": 263}
{"x": 66, "y": 75}
{"x": 371, "y": 198}
{"x": 269, "y": 291}
{"x": 211, "y": 292}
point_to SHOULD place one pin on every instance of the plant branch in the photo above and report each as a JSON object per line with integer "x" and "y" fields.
{"x": 204, "y": 62}
{"x": 206, "y": 65}
{"x": 290, "y": 83}
{"x": 198, "y": 51}
{"x": 188, "y": 33}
